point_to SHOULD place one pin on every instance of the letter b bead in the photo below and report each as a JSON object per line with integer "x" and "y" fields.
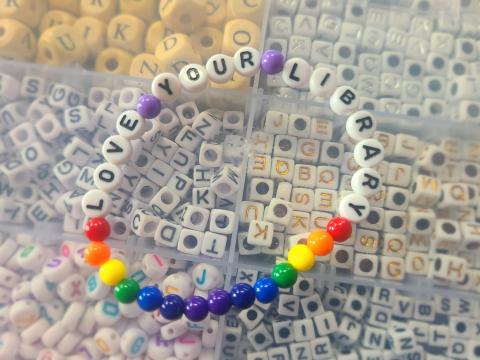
{"x": 344, "y": 100}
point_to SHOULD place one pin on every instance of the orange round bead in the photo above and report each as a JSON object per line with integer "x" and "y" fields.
{"x": 320, "y": 242}
{"x": 96, "y": 253}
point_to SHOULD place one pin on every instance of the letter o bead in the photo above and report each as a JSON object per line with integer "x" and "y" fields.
{"x": 194, "y": 78}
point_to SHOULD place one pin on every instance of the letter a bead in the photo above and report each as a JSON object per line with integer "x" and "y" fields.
{"x": 301, "y": 257}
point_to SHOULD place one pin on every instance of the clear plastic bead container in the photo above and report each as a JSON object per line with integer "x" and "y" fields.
{"x": 404, "y": 262}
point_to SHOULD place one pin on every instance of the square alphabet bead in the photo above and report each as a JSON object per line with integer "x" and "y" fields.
{"x": 260, "y": 233}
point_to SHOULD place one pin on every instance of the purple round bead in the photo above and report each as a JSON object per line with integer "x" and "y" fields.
{"x": 272, "y": 62}
{"x": 148, "y": 106}
{"x": 219, "y": 301}
{"x": 196, "y": 308}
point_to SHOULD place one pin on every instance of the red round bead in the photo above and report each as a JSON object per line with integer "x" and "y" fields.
{"x": 340, "y": 228}
{"x": 97, "y": 229}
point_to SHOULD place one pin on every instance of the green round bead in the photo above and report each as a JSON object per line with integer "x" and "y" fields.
{"x": 284, "y": 275}
{"x": 126, "y": 291}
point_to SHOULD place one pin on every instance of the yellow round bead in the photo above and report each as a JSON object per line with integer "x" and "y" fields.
{"x": 112, "y": 272}
{"x": 301, "y": 257}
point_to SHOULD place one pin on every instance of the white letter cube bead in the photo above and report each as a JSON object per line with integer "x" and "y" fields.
{"x": 260, "y": 233}
{"x": 279, "y": 212}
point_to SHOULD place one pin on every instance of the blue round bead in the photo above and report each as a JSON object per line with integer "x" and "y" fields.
{"x": 149, "y": 298}
{"x": 172, "y": 307}
{"x": 265, "y": 290}
{"x": 242, "y": 295}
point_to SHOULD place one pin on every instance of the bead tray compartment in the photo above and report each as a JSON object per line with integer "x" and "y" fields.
{"x": 403, "y": 57}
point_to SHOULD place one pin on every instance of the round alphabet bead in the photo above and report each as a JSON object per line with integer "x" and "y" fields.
{"x": 323, "y": 82}
{"x": 97, "y": 229}
{"x": 247, "y": 61}
{"x": 117, "y": 150}
{"x": 57, "y": 269}
{"x": 131, "y": 124}
{"x": 340, "y": 228}
{"x": 107, "y": 177}
{"x": 179, "y": 283}
{"x": 96, "y": 203}
{"x": 366, "y": 182}
{"x": 344, "y": 100}
{"x": 301, "y": 257}
{"x": 166, "y": 87}
{"x": 194, "y": 78}
{"x": 220, "y": 68}
{"x": 361, "y": 125}
{"x": 154, "y": 266}
{"x": 354, "y": 207}
{"x": 187, "y": 347}
{"x": 206, "y": 276}
{"x": 107, "y": 340}
{"x": 368, "y": 153}
{"x": 296, "y": 73}
{"x": 133, "y": 342}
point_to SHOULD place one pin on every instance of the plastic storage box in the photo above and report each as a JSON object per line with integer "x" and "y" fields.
{"x": 337, "y": 280}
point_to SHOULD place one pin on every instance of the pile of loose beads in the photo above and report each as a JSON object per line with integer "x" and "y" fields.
{"x": 415, "y": 59}
{"x": 342, "y": 321}
{"x": 53, "y": 306}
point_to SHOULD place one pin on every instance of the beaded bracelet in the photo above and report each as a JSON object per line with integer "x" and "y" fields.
{"x": 353, "y": 208}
